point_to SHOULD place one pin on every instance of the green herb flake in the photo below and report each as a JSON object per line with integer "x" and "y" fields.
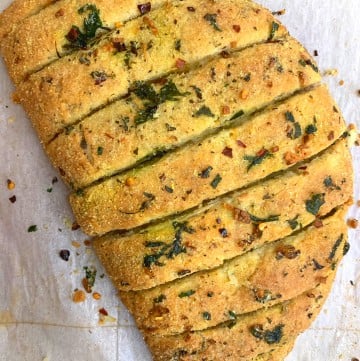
{"x": 90, "y": 275}
{"x": 269, "y": 336}
{"x": 271, "y": 218}
{"x": 302, "y": 62}
{"x": 289, "y": 117}
{"x": 100, "y": 151}
{"x": 198, "y": 92}
{"x": 346, "y": 248}
{"x": 32, "y": 228}
{"x": 257, "y": 159}
{"x": 212, "y": 19}
{"x": 297, "y": 131}
{"x": 314, "y": 203}
{"x": 311, "y": 129}
{"x": 167, "y": 250}
{"x": 329, "y": 183}
{"x": 274, "y": 28}
{"x": 49, "y": 190}
{"x": 169, "y": 189}
{"x": 293, "y": 223}
{"x": 186, "y": 293}
{"x": 170, "y": 92}
{"x": 335, "y": 247}
{"x": 159, "y": 299}
{"x": 205, "y": 173}
{"x": 82, "y": 39}
{"x": 204, "y": 110}
{"x": 206, "y": 316}
{"x": 237, "y": 115}
{"x": 232, "y": 315}
{"x": 215, "y": 182}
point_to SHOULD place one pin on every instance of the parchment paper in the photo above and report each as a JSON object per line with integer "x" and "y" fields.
{"x": 39, "y": 321}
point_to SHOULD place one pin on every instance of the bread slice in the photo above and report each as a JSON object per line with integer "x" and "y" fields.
{"x": 143, "y": 49}
{"x": 246, "y": 337}
{"x": 225, "y": 230}
{"x": 276, "y": 272}
{"x": 16, "y": 12}
{"x": 217, "y": 165}
{"x": 277, "y": 354}
{"x": 238, "y": 84}
{"x": 51, "y": 27}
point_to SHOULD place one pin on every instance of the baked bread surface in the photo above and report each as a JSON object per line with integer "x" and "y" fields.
{"x": 203, "y": 153}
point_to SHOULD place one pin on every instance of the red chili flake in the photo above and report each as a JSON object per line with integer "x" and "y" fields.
{"x": 304, "y": 167}
{"x": 119, "y": 46}
{"x": 318, "y": 223}
{"x": 87, "y": 243}
{"x": 151, "y": 25}
{"x": 262, "y": 152}
{"x": 228, "y": 152}
{"x": 236, "y": 28}
{"x": 274, "y": 149}
{"x": 286, "y": 250}
{"x": 59, "y": 13}
{"x": 144, "y": 8}
{"x": 331, "y": 135}
{"x": 180, "y": 63}
{"x": 240, "y": 144}
{"x": 102, "y": 311}
{"x": 12, "y": 199}
{"x": 225, "y": 110}
{"x": 191, "y": 9}
{"x": 242, "y": 216}
{"x": 279, "y": 12}
{"x": 72, "y": 35}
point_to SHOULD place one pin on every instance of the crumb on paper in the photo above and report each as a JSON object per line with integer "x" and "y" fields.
{"x": 76, "y": 244}
{"x": 75, "y": 226}
{"x": 64, "y": 254}
{"x": 104, "y": 317}
{"x": 96, "y": 296}
{"x": 352, "y": 223}
{"x": 316, "y": 53}
{"x": 78, "y": 296}
{"x": 279, "y": 12}
{"x": 341, "y": 82}
{"x": 12, "y": 199}
{"x": 10, "y": 184}
{"x": 87, "y": 242}
{"x": 330, "y": 72}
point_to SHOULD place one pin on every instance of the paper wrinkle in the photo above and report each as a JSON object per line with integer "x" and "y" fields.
{"x": 39, "y": 321}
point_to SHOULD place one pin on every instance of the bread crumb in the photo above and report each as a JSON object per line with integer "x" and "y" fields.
{"x": 78, "y": 296}
{"x": 352, "y": 223}
{"x": 341, "y": 82}
{"x": 75, "y": 244}
{"x": 330, "y": 72}
{"x": 10, "y": 185}
{"x": 96, "y": 296}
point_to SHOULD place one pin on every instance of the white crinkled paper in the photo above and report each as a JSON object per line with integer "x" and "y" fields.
{"x": 39, "y": 321}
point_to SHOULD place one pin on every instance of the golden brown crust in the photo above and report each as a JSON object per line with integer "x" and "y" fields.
{"x": 278, "y": 354}
{"x": 276, "y": 272}
{"x": 41, "y": 39}
{"x": 71, "y": 88}
{"x": 128, "y": 259}
{"x": 123, "y": 141}
{"x": 177, "y": 182}
{"x": 253, "y": 334}
{"x": 17, "y": 11}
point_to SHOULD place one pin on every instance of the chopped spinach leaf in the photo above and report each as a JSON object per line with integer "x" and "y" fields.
{"x": 293, "y": 223}
{"x": 204, "y": 110}
{"x": 205, "y": 173}
{"x": 212, "y": 19}
{"x": 237, "y": 114}
{"x": 206, "y": 316}
{"x": 90, "y": 275}
{"x": 159, "y": 299}
{"x": 329, "y": 183}
{"x": 215, "y": 182}
{"x": 186, "y": 293}
{"x": 178, "y": 44}
{"x": 289, "y": 117}
{"x": 100, "y": 150}
{"x": 311, "y": 129}
{"x": 197, "y": 91}
{"x": 32, "y": 228}
{"x": 335, "y": 247}
{"x": 257, "y": 159}
{"x": 314, "y": 203}
{"x": 274, "y": 28}
{"x": 269, "y": 336}
{"x": 271, "y": 218}
{"x": 82, "y": 39}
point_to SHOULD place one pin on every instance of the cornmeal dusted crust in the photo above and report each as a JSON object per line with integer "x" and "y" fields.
{"x": 225, "y": 230}
{"x": 208, "y": 169}
{"x": 203, "y": 153}
{"x": 254, "y": 78}
{"x": 143, "y": 49}
{"x": 248, "y": 336}
{"x": 50, "y": 27}
{"x": 17, "y": 11}
{"x": 276, "y": 272}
